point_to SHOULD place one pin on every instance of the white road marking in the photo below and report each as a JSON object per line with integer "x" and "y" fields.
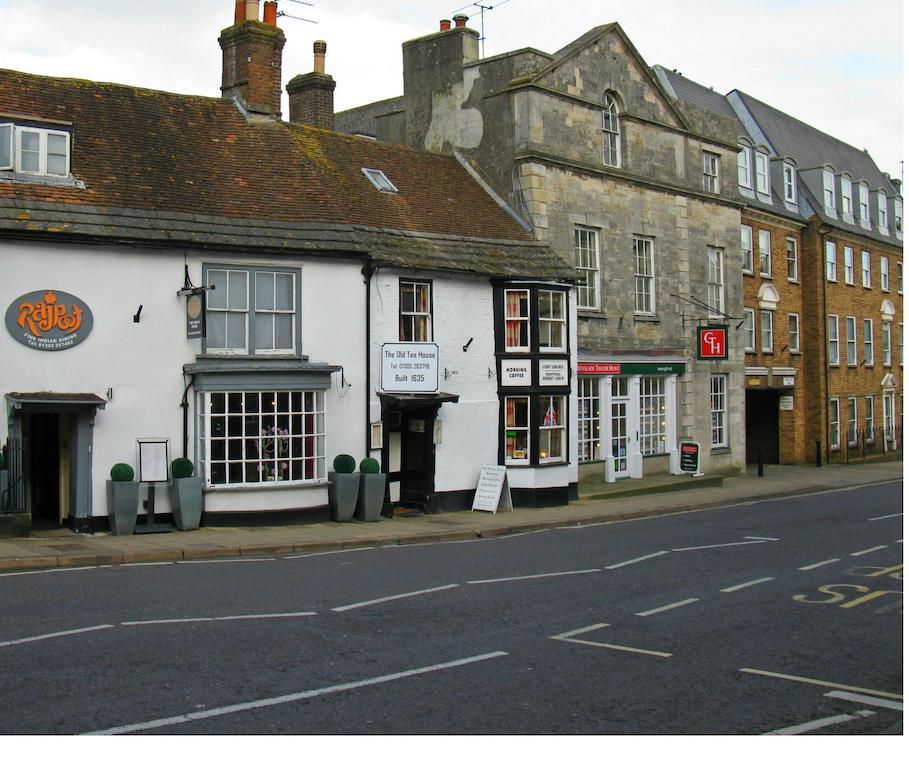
{"x": 818, "y": 565}
{"x": 332, "y": 552}
{"x": 636, "y": 560}
{"x": 823, "y": 683}
{"x": 164, "y": 621}
{"x": 21, "y": 573}
{"x": 137, "y": 565}
{"x": 612, "y": 647}
{"x": 747, "y": 584}
{"x": 228, "y": 560}
{"x": 716, "y": 546}
{"x": 868, "y": 551}
{"x": 56, "y": 634}
{"x": 871, "y": 701}
{"x": 196, "y": 619}
{"x": 291, "y": 697}
{"x": 668, "y": 607}
{"x": 581, "y": 631}
{"x": 352, "y": 606}
{"x": 761, "y": 538}
{"x": 815, "y": 725}
{"x": 80, "y": 568}
{"x": 266, "y": 616}
{"x": 885, "y": 517}
{"x": 534, "y": 576}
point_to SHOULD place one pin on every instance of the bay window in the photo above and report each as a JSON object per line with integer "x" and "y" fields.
{"x": 552, "y": 428}
{"x": 552, "y": 320}
{"x": 517, "y": 430}
{"x": 517, "y": 320}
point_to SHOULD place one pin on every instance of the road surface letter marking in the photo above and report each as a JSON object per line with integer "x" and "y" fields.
{"x": 668, "y": 607}
{"x": 867, "y": 551}
{"x": 351, "y": 607}
{"x": 56, "y": 634}
{"x": 534, "y": 576}
{"x": 291, "y": 697}
{"x": 871, "y": 701}
{"x": 824, "y": 683}
{"x": 818, "y": 565}
{"x": 636, "y": 560}
{"x": 815, "y": 725}
{"x": 747, "y": 584}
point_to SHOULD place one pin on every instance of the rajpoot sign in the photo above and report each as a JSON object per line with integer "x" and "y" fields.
{"x": 49, "y": 320}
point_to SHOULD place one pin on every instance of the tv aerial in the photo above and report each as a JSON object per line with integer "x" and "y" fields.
{"x": 298, "y": 18}
{"x": 482, "y": 13}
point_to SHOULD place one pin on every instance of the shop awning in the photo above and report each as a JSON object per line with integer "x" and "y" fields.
{"x": 85, "y": 399}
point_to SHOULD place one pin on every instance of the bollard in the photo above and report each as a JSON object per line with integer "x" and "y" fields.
{"x": 817, "y": 448}
{"x": 760, "y": 463}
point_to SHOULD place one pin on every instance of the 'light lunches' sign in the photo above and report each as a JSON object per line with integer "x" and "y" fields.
{"x": 49, "y": 320}
{"x": 410, "y": 367}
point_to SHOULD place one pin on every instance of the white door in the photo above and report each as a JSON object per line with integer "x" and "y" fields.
{"x": 619, "y": 442}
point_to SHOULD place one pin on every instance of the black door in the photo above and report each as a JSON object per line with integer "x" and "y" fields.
{"x": 418, "y": 464}
{"x": 44, "y": 470}
{"x": 762, "y": 425}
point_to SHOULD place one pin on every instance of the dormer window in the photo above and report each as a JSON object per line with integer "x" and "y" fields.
{"x": 898, "y": 217}
{"x": 744, "y": 164}
{"x": 380, "y": 181}
{"x": 789, "y": 184}
{"x": 846, "y": 197}
{"x": 829, "y": 194}
{"x": 864, "y": 206}
{"x": 31, "y": 150}
{"x": 882, "y": 210}
{"x": 612, "y": 147}
{"x": 761, "y": 172}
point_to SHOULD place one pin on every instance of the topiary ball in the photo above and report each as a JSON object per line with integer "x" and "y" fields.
{"x": 344, "y": 464}
{"x": 121, "y": 473}
{"x": 181, "y": 468}
{"x": 369, "y": 466}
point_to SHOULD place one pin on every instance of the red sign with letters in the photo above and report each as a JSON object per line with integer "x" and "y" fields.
{"x": 601, "y": 368}
{"x": 712, "y": 343}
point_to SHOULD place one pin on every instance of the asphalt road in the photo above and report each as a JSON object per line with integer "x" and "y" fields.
{"x": 743, "y": 620}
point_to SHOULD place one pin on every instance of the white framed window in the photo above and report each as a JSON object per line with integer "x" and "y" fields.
{"x": 552, "y": 429}
{"x": 749, "y": 329}
{"x": 517, "y": 430}
{"x": 34, "y": 151}
{"x": 257, "y": 438}
{"x": 851, "y": 345}
{"x": 762, "y": 172}
{"x": 882, "y": 210}
{"x": 864, "y": 206}
{"x": 869, "y": 418}
{"x": 830, "y": 260}
{"x": 767, "y": 331}
{"x": 848, "y": 265}
{"x": 833, "y": 339}
{"x": 517, "y": 320}
{"x": 747, "y": 250}
{"x": 227, "y": 316}
{"x": 794, "y": 340}
{"x": 834, "y": 423}
{"x": 589, "y": 418}
{"x": 846, "y": 196}
{"x": 829, "y": 194}
{"x": 792, "y": 259}
{"x": 885, "y": 273}
{"x": 885, "y": 342}
{"x": 888, "y": 400}
{"x": 852, "y": 421}
{"x": 380, "y": 181}
{"x": 898, "y": 217}
{"x": 551, "y": 307}
{"x": 868, "y": 337}
{"x": 612, "y": 141}
{"x": 899, "y": 277}
{"x": 415, "y": 311}
{"x": 719, "y": 436}
{"x": 866, "y": 269}
{"x": 653, "y": 415}
{"x": 744, "y": 167}
{"x": 6, "y": 146}
{"x": 899, "y": 340}
{"x": 716, "y": 289}
{"x": 711, "y": 171}
{"x": 789, "y": 184}
{"x": 644, "y": 303}
{"x": 587, "y": 259}
{"x": 764, "y": 252}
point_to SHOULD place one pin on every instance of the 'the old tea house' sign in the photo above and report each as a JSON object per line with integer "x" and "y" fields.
{"x": 49, "y": 320}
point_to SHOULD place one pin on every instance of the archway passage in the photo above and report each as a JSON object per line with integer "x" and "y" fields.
{"x": 762, "y": 425}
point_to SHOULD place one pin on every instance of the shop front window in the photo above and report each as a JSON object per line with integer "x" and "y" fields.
{"x": 552, "y": 429}
{"x": 653, "y": 415}
{"x": 517, "y": 430}
{"x": 588, "y": 418}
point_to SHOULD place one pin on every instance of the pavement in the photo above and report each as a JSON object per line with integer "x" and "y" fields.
{"x": 598, "y": 503}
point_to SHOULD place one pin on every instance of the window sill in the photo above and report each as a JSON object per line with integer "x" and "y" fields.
{"x": 794, "y": 282}
{"x": 646, "y": 319}
{"x": 720, "y": 450}
{"x": 266, "y": 486}
{"x": 233, "y": 356}
{"x": 766, "y": 275}
{"x": 795, "y": 351}
{"x": 34, "y": 178}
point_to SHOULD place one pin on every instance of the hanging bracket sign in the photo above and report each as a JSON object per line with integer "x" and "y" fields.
{"x": 493, "y": 492}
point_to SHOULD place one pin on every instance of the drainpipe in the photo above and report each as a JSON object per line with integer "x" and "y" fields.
{"x": 825, "y": 432}
{"x": 368, "y": 269}
{"x": 184, "y": 404}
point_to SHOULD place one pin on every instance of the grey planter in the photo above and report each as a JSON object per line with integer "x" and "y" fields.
{"x": 122, "y": 507}
{"x": 343, "y": 490}
{"x": 372, "y": 497}
{"x": 186, "y": 502}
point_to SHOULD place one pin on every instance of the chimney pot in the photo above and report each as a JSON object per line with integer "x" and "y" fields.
{"x": 252, "y": 10}
{"x": 319, "y": 49}
{"x": 444, "y": 25}
{"x": 271, "y": 13}
{"x": 460, "y": 21}
{"x": 239, "y": 11}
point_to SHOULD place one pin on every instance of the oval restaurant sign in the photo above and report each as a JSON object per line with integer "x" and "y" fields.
{"x": 49, "y": 320}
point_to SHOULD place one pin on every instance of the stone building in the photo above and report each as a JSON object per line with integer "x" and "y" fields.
{"x": 635, "y": 189}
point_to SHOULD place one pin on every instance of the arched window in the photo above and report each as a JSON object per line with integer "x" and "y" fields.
{"x": 612, "y": 146}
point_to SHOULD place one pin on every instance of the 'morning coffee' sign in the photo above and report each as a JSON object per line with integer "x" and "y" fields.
{"x": 49, "y": 320}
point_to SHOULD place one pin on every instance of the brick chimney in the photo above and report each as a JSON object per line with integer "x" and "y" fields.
{"x": 251, "y": 63}
{"x": 312, "y": 96}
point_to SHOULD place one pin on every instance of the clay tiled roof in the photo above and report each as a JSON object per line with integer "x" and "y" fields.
{"x": 196, "y": 170}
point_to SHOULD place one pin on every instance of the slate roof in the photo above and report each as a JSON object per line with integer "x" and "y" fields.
{"x": 362, "y": 120}
{"x": 191, "y": 170}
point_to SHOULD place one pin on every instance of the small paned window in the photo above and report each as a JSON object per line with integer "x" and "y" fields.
{"x": 747, "y": 250}
{"x": 749, "y": 329}
{"x": 794, "y": 341}
{"x": 848, "y": 265}
{"x": 716, "y": 290}
{"x": 833, "y": 339}
{"x": 829, "y": 194}
{"x": 552, "y": 429}
{"x": 767, "y": 331}
{"x": 415, "y": 316}
{"x": 587, "y": 259}
{"x": 34, "y": 151}
{"x": 643, "y": 276}
{"x": 653, "y": 415}
{"x": 882, "y": 210}
{"x": 764, "y": 252}
{"x": 517, "y": 320}
{"x": 711, "y": 172}
{"x": 744, "y": 167}
{"x": 552, "y": 320}
{"x": 517, "y": 430}
{"x": 6, "y": 146}
{"x": 864, "y": 206}
{"x": 762, "y": 173}
{"x": 612, "y": 144}
{"x": 851, "y": 350}
{"x": 379, "y": 180}
{"x": 588, "y": 418}
{"x": 792, "y": 259}
{"x": 789, "y": 184}
{"x": 846, "y": 196}
{"x": 719, "y": 437}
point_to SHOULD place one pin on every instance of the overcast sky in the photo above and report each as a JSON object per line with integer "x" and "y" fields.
{"x": 836, "y": 64}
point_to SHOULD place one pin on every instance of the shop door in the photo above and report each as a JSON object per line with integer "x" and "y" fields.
{"x": 44, "y": 469}
{"x": 620, "y": 443}
{"x": 418, "y": 464}
{"x": 762, "y": 425}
